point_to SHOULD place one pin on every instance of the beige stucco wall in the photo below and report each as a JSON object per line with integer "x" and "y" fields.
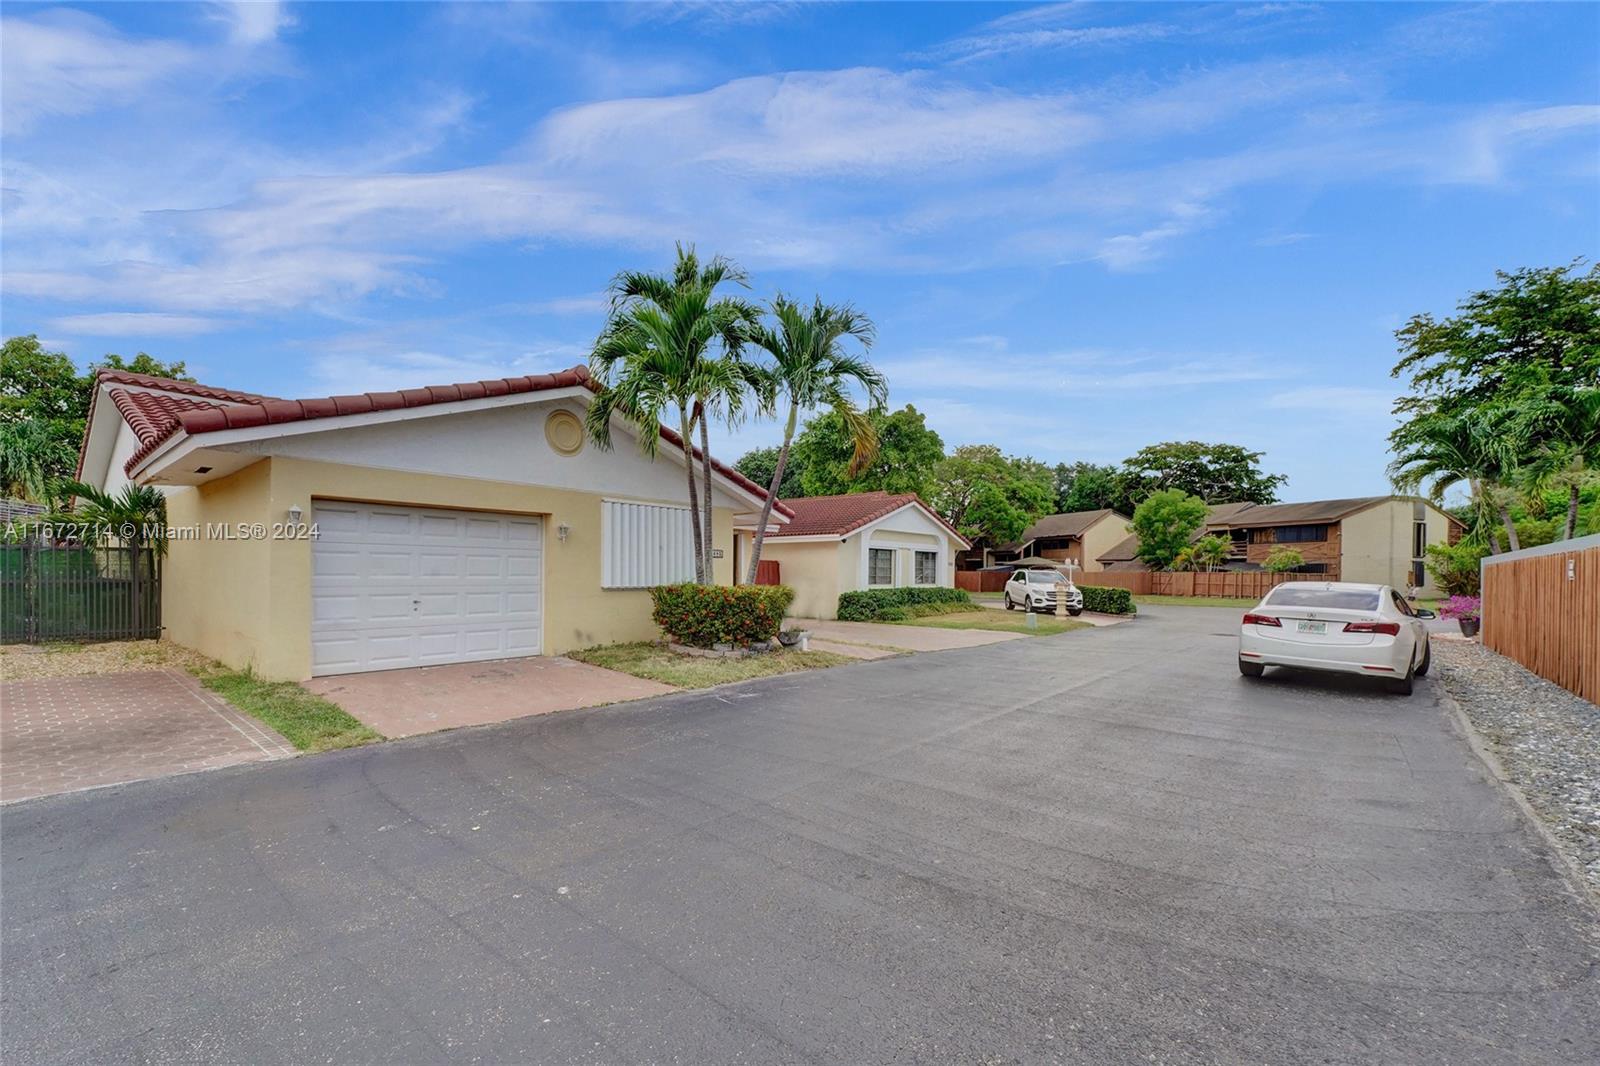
{"x": 812, "y": 570}
{"x": 249, "y": 602}
{"x": 1375, "y": 544}
{"x": 1100, "y": 538}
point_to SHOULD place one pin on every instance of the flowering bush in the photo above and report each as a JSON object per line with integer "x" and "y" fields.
{"x": 703, "y": 615}
{"x": 1461, "y": 607}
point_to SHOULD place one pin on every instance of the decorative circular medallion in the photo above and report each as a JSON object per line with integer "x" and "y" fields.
{"x": 564, "y": 432}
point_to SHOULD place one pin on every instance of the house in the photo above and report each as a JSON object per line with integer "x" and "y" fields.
{"x": 408, "y": 528}
{"x": 835, "y": 544}
{"x": 1378, "y": 539}
{"x": 1079, "y": 536}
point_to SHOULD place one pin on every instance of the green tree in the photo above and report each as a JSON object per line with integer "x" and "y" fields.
{"x": 908, "y": 452}
{"x": 1088, "y": 487}
{"x": 1217, "y": 473}
{"x": 1561, "y": 425}
{"x": 1165, "y": 521}
{"x": 811, "y": 368}
{"x": 143, "y": 363}
{"x": 1282, "y": 559}
{"x": 1436, "y": 451}
{"x": 760, "y": 464}
{"x": 671, "y": 347}
{"x": 987, "y": 494}
{"x": 1211, "y": 551}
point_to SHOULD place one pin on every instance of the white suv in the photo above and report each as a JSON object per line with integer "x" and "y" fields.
{"x": 1036, "y": 590}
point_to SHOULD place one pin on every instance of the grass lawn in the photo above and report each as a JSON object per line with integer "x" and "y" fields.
{"x": 983, "y": 618}
{"x": 656, "y": 662}
{"x": 1198, "y": 601}
{"x": 308, "y": 722}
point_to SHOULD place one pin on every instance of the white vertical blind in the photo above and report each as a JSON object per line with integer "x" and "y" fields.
{"x": 644, "y": 544}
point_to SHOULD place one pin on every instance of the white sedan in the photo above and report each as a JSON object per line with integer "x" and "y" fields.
{"x": 1338, "y": 627}
{"x": 1036, "y": 590}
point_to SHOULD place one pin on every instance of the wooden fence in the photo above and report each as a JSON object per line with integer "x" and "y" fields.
{"x": 1541, "y": 607}
{"x": 50, "y": 592}
{"x": 1225, "y": 584}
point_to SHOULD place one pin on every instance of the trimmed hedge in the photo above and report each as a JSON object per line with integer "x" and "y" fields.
{"x": 893, "y": 605}
{"x": 703, "y": 615}
{"x": 1107, "y": 601}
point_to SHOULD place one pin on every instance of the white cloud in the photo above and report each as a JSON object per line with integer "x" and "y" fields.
{"x": 1347, "y": 400}
{"x": 136, "y": 324}
{"x": 252, "y": 22}
{"x": 62, "y": 63}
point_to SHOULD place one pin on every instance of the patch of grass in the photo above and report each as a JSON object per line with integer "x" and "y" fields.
{"x": 1045, "y": 625}
{"x": 1198, "y": 601}
{"x": 307, "y": 721}
{"x": 656, "y": 662}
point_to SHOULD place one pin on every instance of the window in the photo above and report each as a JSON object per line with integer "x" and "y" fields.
{"x": 1399, "y": 602}
{"x": 644, "y": 544}
{"x": 1419, "y": 540}
{"x": 880, "y": 566}
{"x": 1297, "y": 595}
{"x": 927, "y": 568}
{"x": 1300, "y": 534}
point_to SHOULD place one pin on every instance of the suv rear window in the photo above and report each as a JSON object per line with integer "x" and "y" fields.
{"x": 1349, "y": 599}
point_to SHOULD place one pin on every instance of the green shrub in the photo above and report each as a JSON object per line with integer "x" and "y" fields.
{"x": 1107, "y": 601}
{"x": 870, "y": 605}
{"x": 1455, "y": 566}
{"x": 703, "y": 615}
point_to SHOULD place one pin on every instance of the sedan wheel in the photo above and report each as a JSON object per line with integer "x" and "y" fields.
{"x": 1401, "y": 686}
{"x": 1249, "y": 669}
{"x": 1074, "y": 612}
{"x": 1427, "y": 659}
{"x": 1009, "y": 605}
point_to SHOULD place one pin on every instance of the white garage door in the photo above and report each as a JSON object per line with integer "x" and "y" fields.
{"x": 412, "y": 586}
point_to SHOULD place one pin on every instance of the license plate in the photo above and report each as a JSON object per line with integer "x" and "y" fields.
{"x": 1312, "y": 627}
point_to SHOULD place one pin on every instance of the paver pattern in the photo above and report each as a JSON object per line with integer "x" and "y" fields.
{"x": 1102, "y": 847}
{"x": 425, "y": 699}
{"x": 66, "y": 733}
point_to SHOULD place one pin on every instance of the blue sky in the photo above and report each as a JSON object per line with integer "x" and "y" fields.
{"x": 1080, "y": 229}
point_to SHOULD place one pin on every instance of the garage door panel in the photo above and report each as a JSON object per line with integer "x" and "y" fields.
{"x": 395, "y": 587}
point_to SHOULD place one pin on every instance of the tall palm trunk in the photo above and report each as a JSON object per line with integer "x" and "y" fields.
{"x": 772, "y": 492}
{"x": 705, "y": 502}
{"x": 687, "y": 432}
{"x": 1511, "y": 527}
{"x": 1572, "y": 510}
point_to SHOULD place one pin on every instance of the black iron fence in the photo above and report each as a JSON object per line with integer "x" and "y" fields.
{"x": 62, "y": 592}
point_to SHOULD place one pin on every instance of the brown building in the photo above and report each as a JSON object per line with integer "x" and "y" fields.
{"x": 1077, "y": 536}
{"x": 1378, "y": 539}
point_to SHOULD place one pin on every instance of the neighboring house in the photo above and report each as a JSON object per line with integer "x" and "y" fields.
{"x": 1077, "y": 536}
{"x": 452, "y": 523}
{"x": 1378, "y": 539}
{"x": 863, "y": 540}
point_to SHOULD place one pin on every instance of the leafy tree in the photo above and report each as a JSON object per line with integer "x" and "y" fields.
{"x": 908, "y": 452}
{"x": 1479, "y": 446}
{"x": 671, "y": 346}
{"x": 1165, "y": 521}
{"x": 1217, "y": 473}
{"x": 984, "y": 493}
{"x": 1541, "y": 323}
{"x": 1088, "y": 487}
{"x": 1561, "y": 425}
{"x": 1282, "y": 559}
{"x": 1211, "y": 551}
{"x": 759, "y": 465}
{"x": 44, "y": 402}
{"x": 810, "y": 369}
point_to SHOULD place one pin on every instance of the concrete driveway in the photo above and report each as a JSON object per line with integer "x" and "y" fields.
{"x": 403, "y": 703}
{"x": 1104, "y": 847}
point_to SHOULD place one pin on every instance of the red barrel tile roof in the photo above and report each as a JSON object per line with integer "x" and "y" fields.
{"x": 816, "y": 516}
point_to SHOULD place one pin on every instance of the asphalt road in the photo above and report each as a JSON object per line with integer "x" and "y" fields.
{"x": 1099, "y": 847}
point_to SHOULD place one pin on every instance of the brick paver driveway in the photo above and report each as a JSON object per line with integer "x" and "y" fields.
{"x": 61, "y": 734}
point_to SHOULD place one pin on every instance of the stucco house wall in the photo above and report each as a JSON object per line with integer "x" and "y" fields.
{"x": 1377, "y": 543}
{"x": 1100, "y": 538}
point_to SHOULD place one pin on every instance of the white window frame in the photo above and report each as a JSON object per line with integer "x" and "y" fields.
{"x": 891, "y": 552}
{"x": 644, "y": 544}
{"x": 916, "y": 566}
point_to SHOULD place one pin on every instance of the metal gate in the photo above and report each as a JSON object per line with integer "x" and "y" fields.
{"x": 73, "y": 592}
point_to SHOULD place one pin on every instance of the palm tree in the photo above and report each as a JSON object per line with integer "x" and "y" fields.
{"x": 1479, "y": 447}
{"x": 1563, "y": 424}
{"x": 811, "y": 369}
{"x": 1210, "y": 552}
{"x": 670, "y": 346}
{"x": 136, "y": 515}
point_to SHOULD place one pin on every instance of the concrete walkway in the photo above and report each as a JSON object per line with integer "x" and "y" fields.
{"x": 403, "y": 703}
{"x": 874, "y": 640}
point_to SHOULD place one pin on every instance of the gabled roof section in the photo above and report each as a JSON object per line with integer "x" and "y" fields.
{"x": 1070, "y": 524}
{"x": 157, "y": 417}
{"x": 820, "y": 516}
{"x": 1283, "y": 514}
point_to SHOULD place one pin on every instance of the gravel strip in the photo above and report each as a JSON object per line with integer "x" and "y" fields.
{"x": 1546, "y": 738}
{"x": 28, "y": 662}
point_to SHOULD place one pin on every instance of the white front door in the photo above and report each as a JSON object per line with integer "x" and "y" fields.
{"x": 414, "y": 586}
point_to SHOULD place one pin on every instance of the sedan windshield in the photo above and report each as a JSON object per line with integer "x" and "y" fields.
{"x": 1347, "y": 599}
{"x": 1039, "y": 577}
